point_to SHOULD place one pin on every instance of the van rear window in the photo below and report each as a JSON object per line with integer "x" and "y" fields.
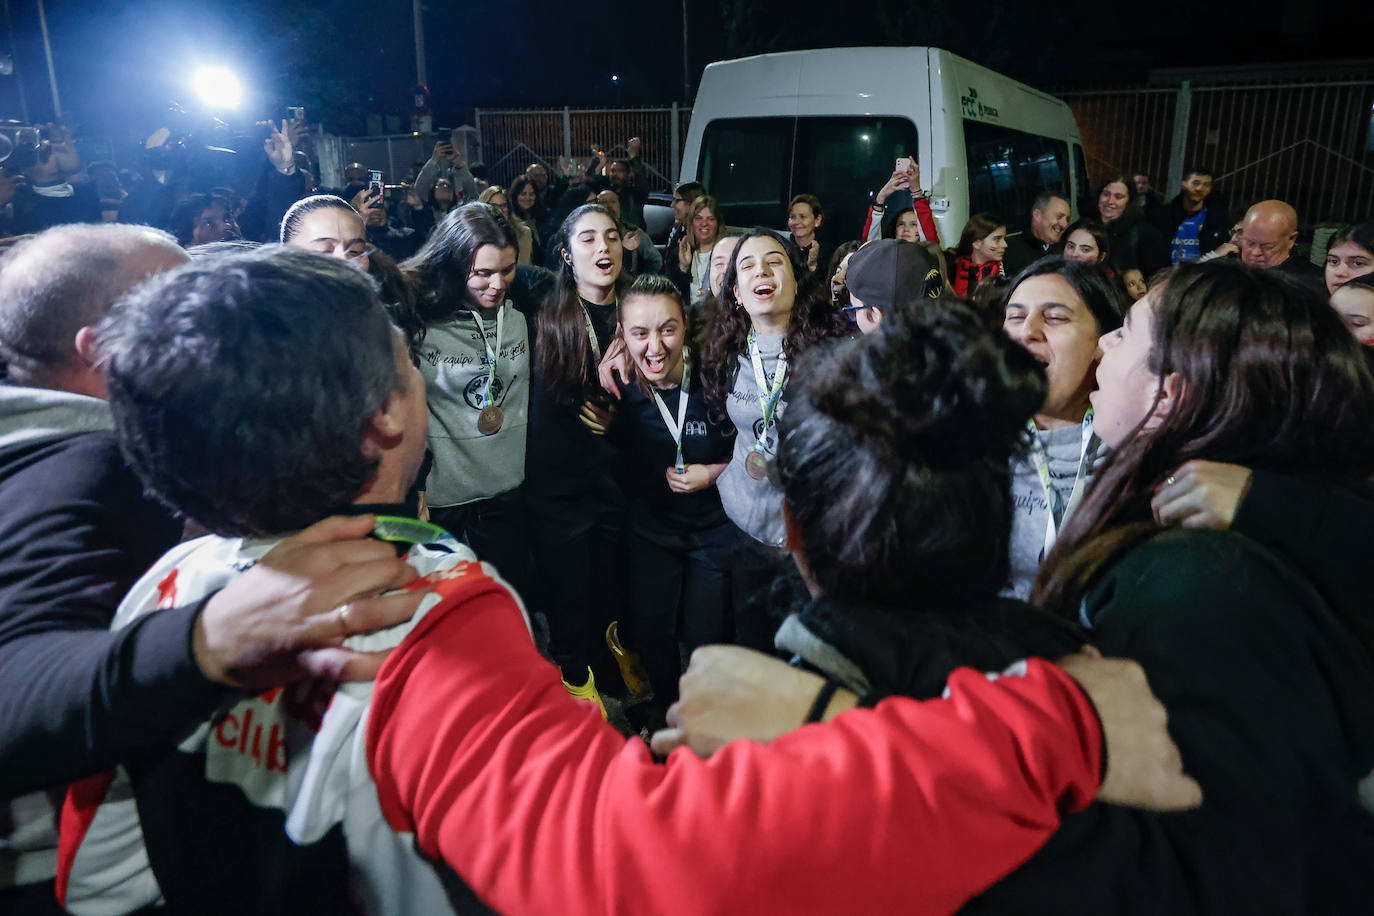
{"x": 754, "y": 166}
{"x": 1008, "y": 168}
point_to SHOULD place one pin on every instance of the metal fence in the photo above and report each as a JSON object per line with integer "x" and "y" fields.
{"x": 1308, "y": 143}
{"x": 513, "y": 138}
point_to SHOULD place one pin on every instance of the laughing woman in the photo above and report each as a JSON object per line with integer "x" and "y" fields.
{"x": 576, "y": 502}
{"x": 771, "y": 309}
{"x": 680, "y": 539}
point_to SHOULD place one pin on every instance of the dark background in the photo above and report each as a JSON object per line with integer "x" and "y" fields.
{"x": 119, "y": 63}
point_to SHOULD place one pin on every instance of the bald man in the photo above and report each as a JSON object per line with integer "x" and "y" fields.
{"x": 1267, "y": 235}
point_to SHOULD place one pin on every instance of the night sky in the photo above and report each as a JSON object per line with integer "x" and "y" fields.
{"x": 119, "y": 64}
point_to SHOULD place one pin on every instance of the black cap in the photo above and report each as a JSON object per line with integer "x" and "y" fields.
{"x": 890, "y": 272}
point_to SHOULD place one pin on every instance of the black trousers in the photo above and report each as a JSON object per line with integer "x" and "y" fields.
{"x": 680, "y": 599}
{"x": 579, "y": 548}
{"x": 765, "y": 584}
{"x": 498, "y": 531}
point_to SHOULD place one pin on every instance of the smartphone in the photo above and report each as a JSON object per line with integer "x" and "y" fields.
{"x": 376, "y": 186}
{"x": 903, "y": 164}
{"x": 294, "y": 113}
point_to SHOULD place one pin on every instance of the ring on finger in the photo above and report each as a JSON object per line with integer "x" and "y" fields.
{"x": 343, "y": 619}
{"x": 1170, "y": 480}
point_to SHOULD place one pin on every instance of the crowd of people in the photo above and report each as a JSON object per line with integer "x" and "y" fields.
{"x": 470, "y": 552}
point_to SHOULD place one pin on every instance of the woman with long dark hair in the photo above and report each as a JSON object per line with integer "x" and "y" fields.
{"x": 978, "y": 254}
{"x": 771, "y": 309}
{"x": 468, "y": 329}
{"x": 1137, "y": 248}
{"x": 1349, "y": 254}
{"x": 576, "y": 500}
{"x": 524, "y": 206}
{"x": 1057, "y": 310}
{"x": 1264, "y": 667}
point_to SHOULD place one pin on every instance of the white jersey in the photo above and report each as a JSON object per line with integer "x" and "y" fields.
{"x": 317, "y": 776}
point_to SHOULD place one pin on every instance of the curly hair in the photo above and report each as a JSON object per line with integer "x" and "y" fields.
{"x": 723, "y": 335}
{"x": 894, "y": 458}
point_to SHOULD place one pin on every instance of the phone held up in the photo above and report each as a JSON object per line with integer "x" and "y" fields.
{"x": 375, "y": 186}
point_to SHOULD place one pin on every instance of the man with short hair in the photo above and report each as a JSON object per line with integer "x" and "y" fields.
{"x": 1267, "y": 235}
{"x": 1193, "y": 225}
{"x": 1151, "y": 202}
{"x": 264, "y": 806}
{"x": 1048, "y": 218}
{"x": 76, "y": 531}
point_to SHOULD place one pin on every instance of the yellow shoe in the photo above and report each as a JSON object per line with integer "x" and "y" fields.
{"x": 587, "y": 691}
{"x": 631, "y": 669}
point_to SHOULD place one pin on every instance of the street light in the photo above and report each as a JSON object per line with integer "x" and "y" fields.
{"x": 217, "y": 87}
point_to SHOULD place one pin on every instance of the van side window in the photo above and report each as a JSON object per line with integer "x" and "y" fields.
{"x": 754, "y": 166}
{"x": 1008, "y": 168}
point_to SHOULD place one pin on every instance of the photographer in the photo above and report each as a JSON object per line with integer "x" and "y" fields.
{"x": 446, "y": 162}
{"x": 51, "y": 187}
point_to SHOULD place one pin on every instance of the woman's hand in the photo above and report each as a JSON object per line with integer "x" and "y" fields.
{"x": 596, "y": 418}
{"x": 693, "y": 477}
{"x": 413, "y": 199}
{"x": 615, "y": 362}
{"x": 684, "y": 251}
{"x": 1202, "y": 494}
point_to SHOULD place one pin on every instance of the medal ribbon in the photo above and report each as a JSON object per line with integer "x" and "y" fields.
{"x": 768, "y": 396}
{"x": 402, "y": 530}
{"x": 1059, "y": 510}
{"x": 591, "y": 328}
{"x": 681, "y": 409}
{"x": 491, "y": 351}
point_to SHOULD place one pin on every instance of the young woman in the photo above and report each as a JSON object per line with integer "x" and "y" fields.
{"x": 978, "y": 254}
{"x": 1353, "y": 300}
{"x": 903, "y": 589}
{"x": 680, "y": 539}
{"x": 1137, "y": 249}
{"x": 498, "y": 198}
{"x": 524, "y": 205}
{"x": 576, "y": 501}
{"x": 469, "y": 332}
{"x": 770, "y": 310}
{"x": 913, "y": 224}
{"x": 691, "y": 267}
{"x": 804, "y": 217}
{"x": 839, "y": 265}
{"x": 1057, "y": 310}
{"x": 1087, "y": 242}
{"x": 1265, "y": 672}
{"x": 1349, "y": 254}
{"x": 327, "y": 225}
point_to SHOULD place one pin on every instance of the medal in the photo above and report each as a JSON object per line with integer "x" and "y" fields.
{"x": 490, "y": 417}
{"x": 675, "y": 429}
{"x": 489, "y": 420}
{"x": 756, "y": 465}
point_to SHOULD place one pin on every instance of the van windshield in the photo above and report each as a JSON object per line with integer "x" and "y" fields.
{"x": 754, "y": 166}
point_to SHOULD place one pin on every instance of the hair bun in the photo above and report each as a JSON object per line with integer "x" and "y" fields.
{"x": 935, "y": 385}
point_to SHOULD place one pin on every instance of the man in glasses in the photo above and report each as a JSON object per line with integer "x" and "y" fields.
{"x": 1267, "y": 235}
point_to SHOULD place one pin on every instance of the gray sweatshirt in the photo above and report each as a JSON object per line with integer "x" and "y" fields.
{"x": 755, "y": 506}
{"x": 1030, "y": 510}
{"x": 469, "y": 466}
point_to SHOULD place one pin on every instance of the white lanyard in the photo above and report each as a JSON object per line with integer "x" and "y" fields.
{"x": 676, "y": 430}
{"x": 768, "y": 395}
{"x": 491, "y": 351}
{"x": 1080, "y": 481}
{"x": 591, "y": 329}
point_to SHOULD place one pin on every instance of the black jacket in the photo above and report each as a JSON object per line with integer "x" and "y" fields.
{"x": 1216, "y": 225}
{"x": 1256, "y": 646}
{"x": 1136, "y": 245}
{"x": 75, "y": 534}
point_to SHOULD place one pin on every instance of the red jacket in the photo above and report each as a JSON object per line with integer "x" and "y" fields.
{"x": 542, "y": 807}
{"x": 924, "y": 218}
{"x": 967, "y": 275}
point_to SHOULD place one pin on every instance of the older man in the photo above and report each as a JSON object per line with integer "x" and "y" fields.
{"x": 1267, "y": 235}
{"x": 1048, "y": 219}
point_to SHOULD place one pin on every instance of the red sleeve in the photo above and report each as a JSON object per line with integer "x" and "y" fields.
{"x": 541, "y": 806}
{"x": 927, "y": 220}
{"x": 868, "y": 225}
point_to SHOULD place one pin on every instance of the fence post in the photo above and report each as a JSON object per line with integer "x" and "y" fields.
{"x": 676, "y": 161}
{"x": 1183, "y": 110}
{"x": 567, "y": 133}
{"x": 477, "y": 117}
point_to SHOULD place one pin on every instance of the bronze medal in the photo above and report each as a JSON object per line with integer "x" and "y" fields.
{"x": 756, "y": 465}
{"x": 489, "y": 420}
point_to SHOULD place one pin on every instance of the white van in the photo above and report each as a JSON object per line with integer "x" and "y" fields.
{"x": 833, "y": 122}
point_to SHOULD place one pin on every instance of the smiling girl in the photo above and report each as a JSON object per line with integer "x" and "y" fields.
{"x": 680, "y": 539}
{"x": 978, "y": 254}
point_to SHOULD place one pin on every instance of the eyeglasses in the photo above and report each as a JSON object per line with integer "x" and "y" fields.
{"x": 852, "y": 311}
{"x": 1262, "y": 247}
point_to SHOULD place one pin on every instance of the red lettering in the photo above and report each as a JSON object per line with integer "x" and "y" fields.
{"x": 223, "y": 736}
{"x": 276, "y": 750}
{"x": 243, "y": 732}
{"x": 257, "y": 745}
{"x": 167, "y": 591}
